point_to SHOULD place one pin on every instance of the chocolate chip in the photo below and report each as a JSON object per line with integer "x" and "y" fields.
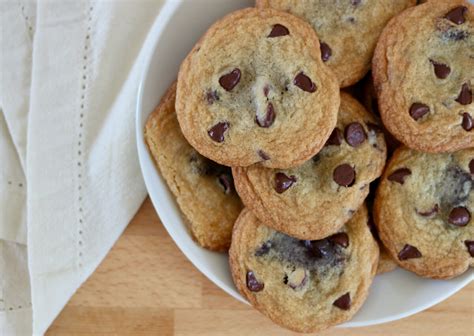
{"x": 279, "y": 30}
{"x": 340, "y": 238}
{"x": 454, "y": 34}
{"x": 459, "y": 216}
{"x": 355, "y": 2}
{"x": 335, "y": 138}
{"x": 217, "y": 131}
{"x": 264, "y": 156}
{"x": 264, "y": 249}
{"x": 418, "y": 110}
{"x": 470, "y": 247}
{"x": 268, "y": 119}
{"x": 227, "y": 183}
{"x": 434, "y": 210}
{"x": 283, "y": 182}
{"x": 320, "y": 248}
{"x": 252, "y": 282}
{"x": 467, "y": 122}
{"x": 471, "y": 166}
{"x": 409, "y": 252}
{"x": 399, "y": 175}
{"x": 441, "y": 70}
{"x": 326, "y": 51}
{"x": 211, "y": 97}
{"x": 344, "y": 175}
{"x": 456, "y": 15}
{"x": 344, "y": 302}
{"x": 304, "y": 83}
{"x": 355, "y": 134}
{"x": 230, "y": 80}
{"x": 465, "y": 96}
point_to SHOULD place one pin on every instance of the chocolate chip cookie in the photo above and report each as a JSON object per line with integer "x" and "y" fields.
{"x": 348, "y": 29}
{"x": 317, "y": 198}
{"x": 304, "y": 285}
{"x": 204, "y": 190}
{"x": 423, "y": 71}
{"x": 254, "y": 89}
{"x": 424, "y": 211}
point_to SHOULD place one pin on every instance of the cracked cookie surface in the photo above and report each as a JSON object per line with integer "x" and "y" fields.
{"x": 254, "y": 89}
{"x": 424, "y": 211}
{"x": 315, "y": 199}
{"x": 423, "y": 71}
{"x": 304, "y": 285}
{"x": 348, "y": 29}
{"x": 204, "y": 190}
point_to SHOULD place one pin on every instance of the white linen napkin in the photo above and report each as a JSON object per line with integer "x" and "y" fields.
{"x": 69, "y": 175}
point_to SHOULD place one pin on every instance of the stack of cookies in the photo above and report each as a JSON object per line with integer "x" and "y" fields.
{"x": 267, "y": 155}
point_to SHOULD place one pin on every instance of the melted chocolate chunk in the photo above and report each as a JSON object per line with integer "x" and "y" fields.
{"x": 418, "y": 110}
{"x": 335, "y": 139}
{"x": 467, "y": 123}
{"x": 279, "y": 30}
{"x": 399, "y": 175}
{"x": 230, "y": 80}
{"x": 264, "y": 249}
{"x": 441, "y": 70}
{"x": 304, "y": 83}
{"x": 252, "y": 282}
{"x": 326, "y": 52}
{"x": 311, "y": 255}
{"x": 283, "y": 182}
{"x": 340, "y": 238}
{"x": 217, "y": 131}
{"x": 321, "y": 248}
{"x": 470, "y": 247}
{"x": 454, "y": 34}
{"x": 465, "y": 96}
{"x": 344, "y": 302}
{"x": 454, "y": 188}
{"x": 268, "y": 118}
{"x": 409, "y": 252}
{"x": 456, "y": 15}
{"x": 471, "y": 166}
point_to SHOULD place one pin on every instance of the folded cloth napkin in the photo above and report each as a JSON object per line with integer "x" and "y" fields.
{"x": 69, "y": 175}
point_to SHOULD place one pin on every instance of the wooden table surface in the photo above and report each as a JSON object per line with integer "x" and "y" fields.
{"x": 146, "y": 286}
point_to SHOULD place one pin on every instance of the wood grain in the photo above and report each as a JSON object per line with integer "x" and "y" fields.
{"x": 146, "y": 286}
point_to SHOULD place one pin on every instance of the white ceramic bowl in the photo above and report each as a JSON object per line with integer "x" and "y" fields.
{"x": 392, "y": 296}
